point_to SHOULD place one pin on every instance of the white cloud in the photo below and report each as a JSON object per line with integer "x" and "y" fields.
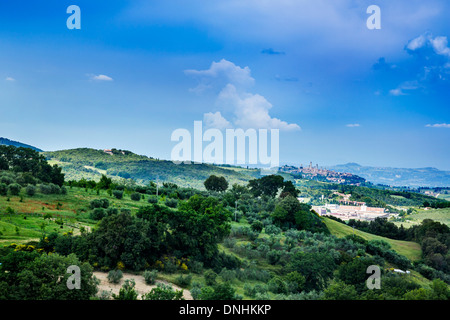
{"x": 249, "y": 110}
{"x": 353, "y": 125}
{"x": 438, "y": 125}
{"x": 417, "y": 43}
{"x": 252, "y": 110}
{"x": 101, "y": 77}
{"x": 396, "y": 92}
{"x": 440, "y": 46}
{"x": 11, "y": 79}
{"x": 405, "y": 86}
{"x": 221, "y": 72}
{"x": 216, "y": 120}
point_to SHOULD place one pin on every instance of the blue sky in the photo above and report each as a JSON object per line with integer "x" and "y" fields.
{"x": 138, "y": 70}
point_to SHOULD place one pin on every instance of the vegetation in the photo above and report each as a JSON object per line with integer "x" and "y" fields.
{"x": 250, "y": 240}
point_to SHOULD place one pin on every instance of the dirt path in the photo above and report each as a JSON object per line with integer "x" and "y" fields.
{"x": 141, "y": 287}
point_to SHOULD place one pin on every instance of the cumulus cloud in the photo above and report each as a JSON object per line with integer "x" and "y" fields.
{"x": 100, "y": 77}
{"x": 11, "y": 79}
{"x": 438, "y": 44}
{"x": 248, "y": 110}
{"x": 438, "y": 125}
{"x": 252, "y": 110}
{"x": 216, "y": 120}
{"x": 219, "y": 73}
{"x": 353, "y": 125}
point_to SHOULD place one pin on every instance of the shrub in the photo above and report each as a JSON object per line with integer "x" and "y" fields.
{"x": 163, "y": 292}
{"x": 195, "y": 266}
{"x": 97, "y": 214}
{"x": 3, "y": 189}
{"x": 30, "y": 190}
{"x": 14, "y": 189}
{"x": 118, "y": 194}
{"x": 152, "y": 199}
{"x": 114, "y": 276}
{"x": 127, "y": 292}
{"x": 210, "y": 277}
{"x": 104, "y": 295}
{"x": 136, "y": 196}
{"x": 277, "y": 285}
{"x": 172, "y": 203}
{"x": 183, "y": 280}
{"x": 99, "y": 203}
{"x": 150, "y": 276}
{"x": 257, "y": 226}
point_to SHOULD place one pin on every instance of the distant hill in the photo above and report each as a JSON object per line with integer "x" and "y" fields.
{"x": 420, "y": 177}
{"x": 121, "y": 164}
{"x": 7, "y": 142}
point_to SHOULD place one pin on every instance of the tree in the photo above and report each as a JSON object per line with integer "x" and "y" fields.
{"x": 31, "y": 276}
{"x": 316, "y": 267}
{"x": 267, "y": 185}
{"x": 214, "y": 183}
{"x": 163, "y": 292}
{"x": 339, "y": 290}
{"x": 136, "y": 196}
{"x": 127, "y": 292}
{"x": 122, "y": 237}
{"x": 118, "y": 194}
{"x": 104, "y": 183}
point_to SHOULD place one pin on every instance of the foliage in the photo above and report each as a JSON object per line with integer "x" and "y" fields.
{"x": 163, "y": 292}
{"x": 127, "y": 292}
{"x": 114, "y": 276}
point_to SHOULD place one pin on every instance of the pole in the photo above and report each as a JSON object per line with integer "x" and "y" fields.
{"x": 235, "y": 210}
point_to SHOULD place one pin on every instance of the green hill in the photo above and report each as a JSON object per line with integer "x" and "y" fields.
{"x": 409, "y": 249}
{"x": 7, "y": 142}
{"x": 122, "y": 164}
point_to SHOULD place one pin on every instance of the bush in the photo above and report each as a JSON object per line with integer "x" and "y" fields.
{"x": 183, "y": 280}
{"x": 150, "y": 276}
{"x": 152, "y": 199}
{"x": 136, "y": 196}
{"x": 97, "y": 214}
{"x": 257, "y": 226}
{"x": 127, "y": 292}
{"x": 99, "y": 203}
{"x": 195, "y": 266}
{"x": 118, "y": 194}
{"x": 172, "y": 203}
{"x": 30, "y": 190}
{"x": 3, "y": 189}
{"x": 227, "y": 275}
{"x": 114, "y": 276}
{"x": 14, "y": 189}
{"x": 163, "y": 292}
{"x": 210, "y": 277}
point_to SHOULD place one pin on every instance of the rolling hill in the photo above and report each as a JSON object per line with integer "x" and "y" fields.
{"x": 409, "y": 249}
{"x": 7, "y": 142}
{"x": 122, "y": 164}
{"x": 409, "y": 177}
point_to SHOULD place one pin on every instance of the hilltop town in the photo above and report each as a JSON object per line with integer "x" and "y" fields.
{"x": 322, "y": 174}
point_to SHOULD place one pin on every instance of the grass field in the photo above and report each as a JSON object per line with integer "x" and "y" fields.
{"x": 409, "y": 249}
{"x": 440, "y": 215}
{"x": 27, "y": 222}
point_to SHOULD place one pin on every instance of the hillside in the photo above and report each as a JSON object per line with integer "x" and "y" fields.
{"x": 7, "y": 142}
{"x": 409, "y": 249}
{"x": 420, "y": 177}
{"x": 121, "y": 164}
